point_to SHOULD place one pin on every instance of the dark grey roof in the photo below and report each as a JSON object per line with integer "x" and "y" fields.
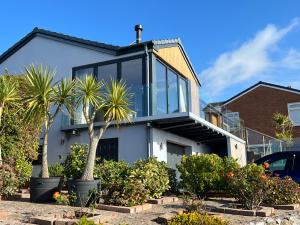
{"x": 265, "y": 84}
{"x": 113, "y": 49}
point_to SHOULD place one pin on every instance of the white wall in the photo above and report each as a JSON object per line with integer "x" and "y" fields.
{"x": 132, "y": 141}
{"x": 159, "y": 139}
{"x": 62, "y": 57}
{"x": 237, "y": 150}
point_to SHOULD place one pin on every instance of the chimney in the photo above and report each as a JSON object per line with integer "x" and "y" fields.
{"x": 138, "y": 29}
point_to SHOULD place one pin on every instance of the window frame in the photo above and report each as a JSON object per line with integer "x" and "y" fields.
{"x": 289, "y": 112}
{"x": 179, "y": 76}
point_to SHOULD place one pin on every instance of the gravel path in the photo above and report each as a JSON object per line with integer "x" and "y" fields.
{"x": 17, "y": 212}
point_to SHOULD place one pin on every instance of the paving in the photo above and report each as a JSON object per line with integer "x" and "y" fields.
{"x": 19, "y": 212}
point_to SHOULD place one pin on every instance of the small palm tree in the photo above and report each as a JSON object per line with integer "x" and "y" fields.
{"x": 42, "y": 96}
{"x": 114, "y": 102}
{"x": 8, "y": 95}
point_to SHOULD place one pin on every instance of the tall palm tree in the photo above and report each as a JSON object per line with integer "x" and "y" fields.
{"x": 8, "y": 95}
{"x": 45, "y": 100}
{"x": 113, "y": 100}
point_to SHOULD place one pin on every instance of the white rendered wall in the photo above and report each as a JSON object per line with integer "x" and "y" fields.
{"x": 159, "y": 139}
{"x": 237, "y": 150}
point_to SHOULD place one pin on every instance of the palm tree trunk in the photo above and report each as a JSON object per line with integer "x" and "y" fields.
{"x": 45, "y": 172}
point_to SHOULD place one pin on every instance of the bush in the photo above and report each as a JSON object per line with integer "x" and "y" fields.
{"x": 283, "y": 192}
{"x": 23, "y": 170}
{"x": 229, "y": 164}
{"x": 56, "y": 170}
{"x": 75, "y": 161}
{"x": 153, "y": 174}
{"x": 197, "y": 219}
{"x": 249, "y": 185}
{"x": 111, "y": 172}
{"x": 8, "y": 180}
{"x": 84, "y": 221}
{"x": 128, "y": 192}
{"x": 200, "y": 173}
{"x": 173, "y": 182}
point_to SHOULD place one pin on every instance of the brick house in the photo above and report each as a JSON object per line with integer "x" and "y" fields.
{"x": 257, "y": 104}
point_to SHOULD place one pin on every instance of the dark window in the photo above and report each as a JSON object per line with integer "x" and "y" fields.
{"x": 132, "y": 74}
{"x": 295, "y": 168}
{"x": 160, "y": 89}
{"x": 172, "y": 92}
{"x": 108, "y": 149}
{"x": 107, "y": 72}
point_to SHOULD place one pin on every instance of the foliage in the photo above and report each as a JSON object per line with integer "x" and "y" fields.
{"x": 192, "y": 203}
{"x": 173, "y": 182}
{"x": 195, "y": 218}
{"x": 127, "y": 192}
{"x": 23, "y": 169}
{"x": 45, "y": 99}
{"x": 56, "y": 170}
{"x": 84, "y": 221}
{"x": 75, "y": 161}
{"x": 229, "y": 165}
{"x": 153, "y": 174}
{"x": 283, "y": 192}
{"x": 113, "y": 102}
{"x": 200, "y": 173}
{"x": 249, "y": 185}
{"x": 8, "y": 180}
{"x": 110, "y": 171}
{"x": 284, "y": 127}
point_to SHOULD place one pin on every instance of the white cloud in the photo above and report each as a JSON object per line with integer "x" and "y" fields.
{"x": 251, "y": 59}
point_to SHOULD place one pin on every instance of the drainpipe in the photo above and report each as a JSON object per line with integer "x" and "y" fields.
{"x": 148, "y": 99}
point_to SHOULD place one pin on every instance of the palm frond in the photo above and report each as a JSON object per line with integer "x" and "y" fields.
{"x": 8, "y": 90}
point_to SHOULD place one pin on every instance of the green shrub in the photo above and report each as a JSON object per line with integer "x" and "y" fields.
{"x": 200, "y": 173}
{"x": 283, "y": 191}
{"x": 56, "y": 170}
{"x": 23, "y": 169}
{"x": 249, "y": 185}
{"x": 128, "y": 192}
{"x": 197, "y": 219}
{"x": 111, "y": 172}
{"x": 229, "y": 165}
{"x": 85, "y": 221}
{"x": 173, "y": 182}
{"x": 8, "y": 180}
{"x": 153, "y": 174}
{"x": 75, "y": 161}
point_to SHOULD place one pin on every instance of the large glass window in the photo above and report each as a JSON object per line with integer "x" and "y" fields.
{"x": 183, "y": 104}
{"x": 160, "y": 86}
{"x": 172, "y": 92}
{"x": 107, "y": 72}
{"x": 132, "y": 74}
{"x": 294, "y": 113}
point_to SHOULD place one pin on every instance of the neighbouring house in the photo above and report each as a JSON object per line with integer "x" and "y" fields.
{"x": 166, "y": 97}
{"x": 256, "y": 106}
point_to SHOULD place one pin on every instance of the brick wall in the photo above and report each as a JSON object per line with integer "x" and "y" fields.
{"x": 257, "y": 107}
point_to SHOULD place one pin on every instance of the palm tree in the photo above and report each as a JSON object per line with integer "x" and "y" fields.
{"x": 45, "y": 100}
{"x": 114, "y": 102}
{"x": 8, "y": 95}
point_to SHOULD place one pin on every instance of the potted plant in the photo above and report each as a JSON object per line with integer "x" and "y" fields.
{"x": 113, "y": 101}
{"x": 45, "y": 100}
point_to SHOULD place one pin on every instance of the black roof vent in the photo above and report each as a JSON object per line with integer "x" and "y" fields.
{"x": 138, "y": 29}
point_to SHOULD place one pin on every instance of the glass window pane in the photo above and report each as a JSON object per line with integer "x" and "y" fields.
{"x": 278, "y": 165}
{"x": 172, "y": 92}
{"x": 107, "y": 72}
{"x": 183, "y": 95}
{"x": 78, "y": 114}
{"x": 132, "y": 74}
{"x": 160, "y": 89}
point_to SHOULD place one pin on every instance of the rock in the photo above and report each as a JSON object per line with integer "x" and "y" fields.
{"x": 278, "y": 221}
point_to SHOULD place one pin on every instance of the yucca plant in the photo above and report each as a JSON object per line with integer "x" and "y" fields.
{"x": 8, "y": 95}
{"x": 45, "y": 100}
{"x": 112, "y": 99}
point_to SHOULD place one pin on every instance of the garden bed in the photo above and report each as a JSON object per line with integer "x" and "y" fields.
{"x": 163, "y": 200}
{"x": 236, "y": 209}
{"x": 285, "y": 207}
{"x": 124, "y": 209}
{"x": 70, "y": 218}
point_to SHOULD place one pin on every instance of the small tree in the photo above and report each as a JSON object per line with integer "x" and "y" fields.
{"x": 8, "y": 95}
{"x": 284, "y": 127}
{"x": 113, "y": 102}
{"x": 45, "y": 100}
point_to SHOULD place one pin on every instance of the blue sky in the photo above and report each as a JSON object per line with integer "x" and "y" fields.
{"x": 232, "y": 44}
